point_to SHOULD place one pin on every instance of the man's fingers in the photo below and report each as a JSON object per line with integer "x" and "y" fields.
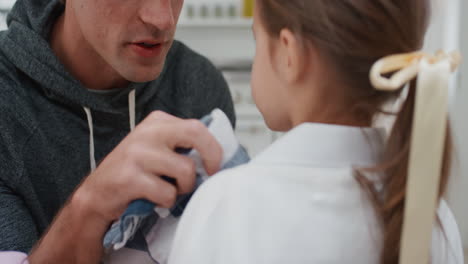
{"x": 158, "y": 191}
{"x": 173, "y": 132}
{"x": 171, "y": 164}
{"x": 193, "y": 134}
{"x": 160, "y": 115}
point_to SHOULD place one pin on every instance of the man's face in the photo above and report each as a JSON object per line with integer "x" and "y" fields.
{"x": 132, "y": 36}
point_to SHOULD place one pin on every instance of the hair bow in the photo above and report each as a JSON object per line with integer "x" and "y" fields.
{"x": 427, "y": 140}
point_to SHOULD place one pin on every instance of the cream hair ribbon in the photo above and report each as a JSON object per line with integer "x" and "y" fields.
{"x": 427, "y": 140}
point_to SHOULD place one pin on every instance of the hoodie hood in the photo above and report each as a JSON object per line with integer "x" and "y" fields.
{"x": 25, "y": 45}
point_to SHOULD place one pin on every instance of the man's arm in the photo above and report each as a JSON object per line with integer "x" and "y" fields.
{"x": 17, "y": 228}
{"x": 77, "y": 229}
{"x": 75, "y": 236}
{"x": 76, "y": 233}
{"x": 128, "y": 173}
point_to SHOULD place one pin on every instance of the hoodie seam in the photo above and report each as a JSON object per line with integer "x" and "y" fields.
{"x": 21, "y": 165}
{"x": 23, "y": 119}
{"x": 23, "y": 169}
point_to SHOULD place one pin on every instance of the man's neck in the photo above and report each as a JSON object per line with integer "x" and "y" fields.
{"x": 79, "y": 58}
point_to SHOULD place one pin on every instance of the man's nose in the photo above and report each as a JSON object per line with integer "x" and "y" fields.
{"x": 158, "y": 13}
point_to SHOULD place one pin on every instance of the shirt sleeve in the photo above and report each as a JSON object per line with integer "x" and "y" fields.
{"x": 12, "y": 257}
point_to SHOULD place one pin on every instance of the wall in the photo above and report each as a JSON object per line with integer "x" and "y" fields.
{"x": 445, "y": 33}
{"x": 455, "y": 38}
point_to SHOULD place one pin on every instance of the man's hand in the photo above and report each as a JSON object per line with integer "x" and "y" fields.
{"x": 132, "y": 171}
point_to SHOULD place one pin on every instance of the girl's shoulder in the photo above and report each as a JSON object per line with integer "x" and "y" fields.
{"x": 288, "y": 212}
{"x": 263, "y": 192}
{"x": 284, "y": 179}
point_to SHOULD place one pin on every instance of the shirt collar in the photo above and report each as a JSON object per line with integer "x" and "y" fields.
{"x": 322, "y": 145}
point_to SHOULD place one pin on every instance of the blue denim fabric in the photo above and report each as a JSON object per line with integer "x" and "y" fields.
{"x": 140, "y": 216}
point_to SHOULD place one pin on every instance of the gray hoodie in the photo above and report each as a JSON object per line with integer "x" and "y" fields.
{"x": 47, "y": 116}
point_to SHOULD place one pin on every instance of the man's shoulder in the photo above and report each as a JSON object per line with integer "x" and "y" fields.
{"x": 195, "y": 84}
{"x": 188, "y": 61}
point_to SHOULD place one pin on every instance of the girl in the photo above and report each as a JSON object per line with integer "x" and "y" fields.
{"x": 332, "y": 189}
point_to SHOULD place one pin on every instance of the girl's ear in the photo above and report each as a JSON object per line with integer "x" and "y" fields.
{"x": 293, "y": 56}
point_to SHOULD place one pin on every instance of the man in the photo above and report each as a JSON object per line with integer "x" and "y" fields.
{"x": 76, "y": 77}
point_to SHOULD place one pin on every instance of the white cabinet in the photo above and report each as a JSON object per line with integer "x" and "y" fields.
{"x": 251, "y": 130}
{"x": 5, "y": 5}
{"x": 254, "y": 135}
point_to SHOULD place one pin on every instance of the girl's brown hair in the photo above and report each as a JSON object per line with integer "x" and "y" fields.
{"x": 353, "y": 35}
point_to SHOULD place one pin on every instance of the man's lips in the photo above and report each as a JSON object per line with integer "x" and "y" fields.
{"x": 148, "y": 48}
{"x": 149, "y": 42}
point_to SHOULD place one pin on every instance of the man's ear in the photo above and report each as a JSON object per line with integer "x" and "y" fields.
{"x": 294, "y": 56}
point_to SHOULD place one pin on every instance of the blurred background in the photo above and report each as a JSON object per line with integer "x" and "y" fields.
{"x": 221, "y": 30}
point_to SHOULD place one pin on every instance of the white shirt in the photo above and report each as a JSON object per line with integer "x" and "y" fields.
{"x": 297, "y": 202}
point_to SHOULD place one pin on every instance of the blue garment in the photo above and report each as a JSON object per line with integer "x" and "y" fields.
{"x": 140, "y": 216}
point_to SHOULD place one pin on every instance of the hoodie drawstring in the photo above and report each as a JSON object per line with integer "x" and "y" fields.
{"x": 91, "y": 138}
{"x": 131, "y": 109}
{"x": 131, "y": 112}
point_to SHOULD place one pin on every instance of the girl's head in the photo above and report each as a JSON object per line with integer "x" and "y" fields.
{"x": 313, "y": 57}
{"x": 312, "y": 64}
